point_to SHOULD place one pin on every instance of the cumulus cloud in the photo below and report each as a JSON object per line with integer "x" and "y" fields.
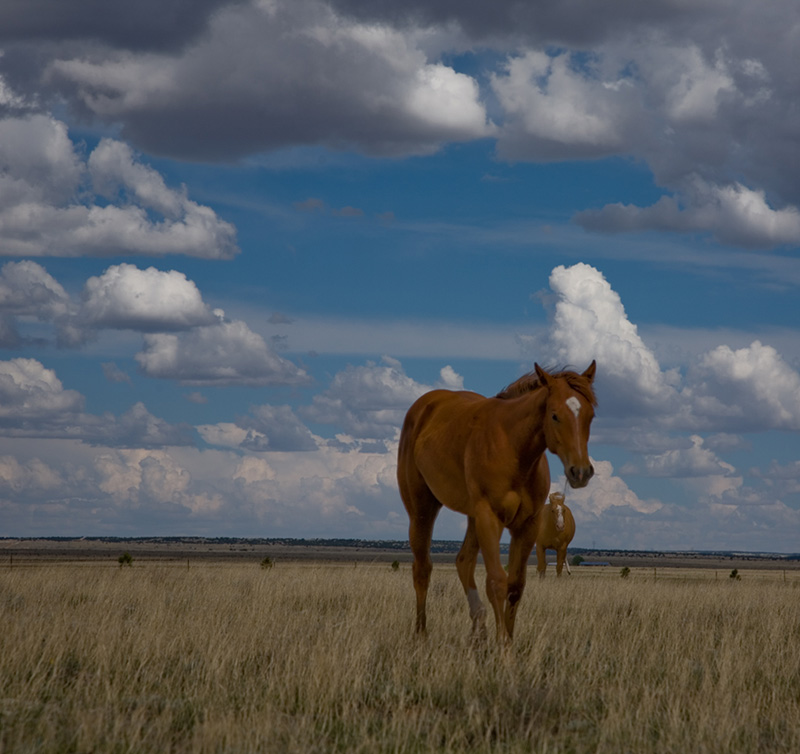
{"x": 734, "y": 214}
{"x": 606, "y": 491}
{"x": 688, "y": 461}
{"x": 588, "y": 321}
{"x": 745, "y": 389}
{"x": 34, "y": 403}
{"x": 227, "y": 353}
{"x": 723, "y": 390}
{"x": 31, "y": 477}
{"x": 27, "y": 288}
{"x": 370, "y": 401}
{"x": 555, "y": 112}
{"x": 135, "y": 428}
{"x": 48, "y": 208}
{"x": 145, "y": 479}
{"x": 126, "y": 297}
{"x": 30, "y": 392}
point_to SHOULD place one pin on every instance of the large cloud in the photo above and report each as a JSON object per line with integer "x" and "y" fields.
{"x": 270, "y": 75}
{"x": 723, "y": 390}
{"x": 702, "y": 93}
{"x": 148, "y": 24}
{"x": 48, "y": 208}
{"x": 588, "y": 321}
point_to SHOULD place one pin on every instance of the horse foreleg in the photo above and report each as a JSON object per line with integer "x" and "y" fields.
{"x": 519, "y": 552}
{"x": 465, "y": 565}
{"x": 562, "y": 561}
{"x": 488, "y": 529}
{"x": 541, "y": 560}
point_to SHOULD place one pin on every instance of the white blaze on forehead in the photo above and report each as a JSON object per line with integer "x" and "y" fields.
{"x": 574, "y": 405}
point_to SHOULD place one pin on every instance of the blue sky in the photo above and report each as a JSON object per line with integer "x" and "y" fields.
{"x": 237, "y": 243}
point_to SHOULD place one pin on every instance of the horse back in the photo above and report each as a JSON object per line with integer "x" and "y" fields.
{"x": 455, "y": 446}
{"x": 433, "y": 440}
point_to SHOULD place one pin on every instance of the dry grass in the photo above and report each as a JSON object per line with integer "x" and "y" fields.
{"x": 321, "y": 658}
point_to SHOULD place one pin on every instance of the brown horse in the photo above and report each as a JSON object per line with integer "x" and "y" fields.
{"x": 555, "y": 530}
{"x": 485, "y": 458}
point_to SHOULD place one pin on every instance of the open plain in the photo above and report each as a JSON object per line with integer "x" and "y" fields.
{"x": 220, "y": 654}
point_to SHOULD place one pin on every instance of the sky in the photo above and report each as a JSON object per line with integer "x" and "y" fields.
{"x": 239, "y": 238}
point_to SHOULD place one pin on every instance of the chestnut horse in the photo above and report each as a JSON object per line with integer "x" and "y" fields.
{"x": 485, "y": 458}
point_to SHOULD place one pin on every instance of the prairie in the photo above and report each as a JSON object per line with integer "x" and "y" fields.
{"x": 321, "y": 657}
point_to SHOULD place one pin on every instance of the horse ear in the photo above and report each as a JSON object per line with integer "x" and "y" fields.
{"x": 589, "y": 373}
{"x": 544, "y": 378}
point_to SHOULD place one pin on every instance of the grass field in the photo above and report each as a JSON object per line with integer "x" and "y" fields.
{"x": 318, "y": 657}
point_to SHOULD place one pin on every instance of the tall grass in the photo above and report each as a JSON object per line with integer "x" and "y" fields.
{"x": 322, "y": 658}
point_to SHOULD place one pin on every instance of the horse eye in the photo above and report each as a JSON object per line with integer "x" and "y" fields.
{"x": 555, "y": 418}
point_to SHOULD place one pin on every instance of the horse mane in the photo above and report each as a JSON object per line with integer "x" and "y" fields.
{"x": 530, "y": 382}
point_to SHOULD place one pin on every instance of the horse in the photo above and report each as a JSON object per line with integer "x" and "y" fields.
{"x": 555, "y": 530}
{"x": 485, "y": 458}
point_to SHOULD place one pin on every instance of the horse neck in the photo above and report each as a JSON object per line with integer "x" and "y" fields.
{"x": 525, "y": 422}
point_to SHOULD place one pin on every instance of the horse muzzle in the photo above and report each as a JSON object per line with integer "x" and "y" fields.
{"x": 579, "y": 476}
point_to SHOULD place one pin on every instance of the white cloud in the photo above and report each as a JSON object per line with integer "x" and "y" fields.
{"x": 48, "y": 209}
{"x": 30, "y": 477}
{"x": 555, "y": 110}
{"x": 126, "y": 297}
{"x": 605, "y": 491}
{"x": 746, "y": 389}
{"x": 227, "y": 353}
{"x": 27, "y": 288}
{"x": 371, "y": 401}
{"x": 29, "y": 392}
{"x": 697, "y": 86}
{"x": 692, "y": 461}
{"x": 276, "y": 428}
{"x": 733, "y": 213}
{"x": 588, "y": 321}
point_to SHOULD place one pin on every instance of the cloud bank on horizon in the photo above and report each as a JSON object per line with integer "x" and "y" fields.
{"x": 268, "y": 468}
{"x": 99, "y": 112}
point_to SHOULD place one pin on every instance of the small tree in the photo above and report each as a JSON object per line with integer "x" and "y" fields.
{"x": 125, "y": 559}
{"x": 625, "y": 572}
{"x": 267, "y": 563}
{"x": 396, "y": 565}
{"x": 577, "y": 560}
{"x": 735, "y": 575}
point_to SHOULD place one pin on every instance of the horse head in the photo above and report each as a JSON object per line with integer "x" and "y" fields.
{"x": 569, "y": 410}
{"x": 557, "y": 510}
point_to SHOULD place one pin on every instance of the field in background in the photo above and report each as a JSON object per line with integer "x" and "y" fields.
{"x": 316, "y": 657}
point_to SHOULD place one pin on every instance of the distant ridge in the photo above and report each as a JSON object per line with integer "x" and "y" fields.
{"x": 437, "y": 546}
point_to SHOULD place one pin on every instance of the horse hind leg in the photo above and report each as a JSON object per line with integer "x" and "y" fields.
{"x": 422, "y": 516}
{"x": 465, "y": 565}
{"x": 519, "y": 552}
